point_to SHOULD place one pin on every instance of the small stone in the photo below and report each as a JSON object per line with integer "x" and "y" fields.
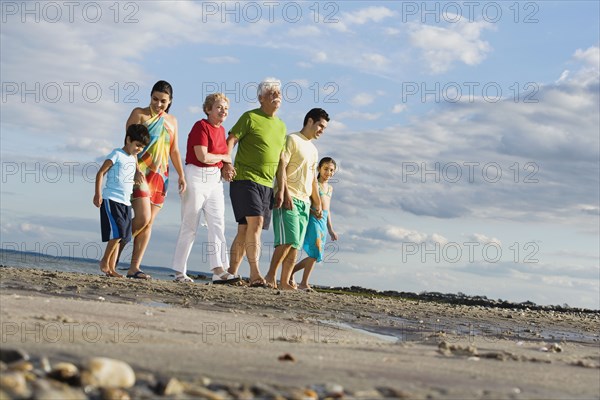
{"x": 45, "y": 364}
{"x": 202, "y": 392}
{"x": 21, "y": 365}
{"x": 14, "y": 383}
{"x": 555, "y": 348}
{"x": 169, "y": 387}
{"x": 64, "y": 372}
{"x": 286, "y": 357}
{"x": 334, "y": 390}
{"x": 367, "y": 394}
{"x": 105, "y": 372}
{"x": 115, "y": 394}
{"x": 310, "y": 394}
{"x": 261, "y": 390}
{"x": 54, "y": 390}
{"x": 388, "y": 392}
{"x": 11, "y": 355}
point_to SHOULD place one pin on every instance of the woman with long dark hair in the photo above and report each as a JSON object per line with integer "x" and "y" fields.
{"x": 152, "y": 178}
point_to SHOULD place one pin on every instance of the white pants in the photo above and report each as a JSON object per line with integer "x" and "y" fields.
{"x": 204, "y": 193}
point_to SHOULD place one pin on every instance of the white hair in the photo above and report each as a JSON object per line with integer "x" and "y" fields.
{"x": 267, "y": 85}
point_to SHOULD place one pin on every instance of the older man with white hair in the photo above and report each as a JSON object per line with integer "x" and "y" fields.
{"x": 260, "y": 136}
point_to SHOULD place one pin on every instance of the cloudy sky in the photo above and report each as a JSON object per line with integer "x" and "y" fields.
{"x": 466, "y": 134}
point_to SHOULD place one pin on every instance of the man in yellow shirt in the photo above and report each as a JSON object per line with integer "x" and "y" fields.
{"x": 295, "y": 189}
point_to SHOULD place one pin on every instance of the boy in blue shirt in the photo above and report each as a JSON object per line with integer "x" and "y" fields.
{"x": 114, "y": 201}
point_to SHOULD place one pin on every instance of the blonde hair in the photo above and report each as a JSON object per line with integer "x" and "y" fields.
{"x": 211, "y": 99}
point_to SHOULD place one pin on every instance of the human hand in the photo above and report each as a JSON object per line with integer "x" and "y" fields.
{"x": 334, "y": 235}
{"x": 97, "y": 200}
{"x": 278, "y": 199}
{"x": 138, "y": 178}
{"x": 182, "y": 185}
{"x": 228, "y": 172}
{"x": 288, "y": 203}
{"x": 317, "y": 212}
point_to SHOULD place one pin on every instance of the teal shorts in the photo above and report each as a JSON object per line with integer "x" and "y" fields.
{"x": 289, "y": 226}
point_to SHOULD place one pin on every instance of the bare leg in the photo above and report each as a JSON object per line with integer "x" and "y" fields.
{"x": 142, "y": 238}
{"x": 307, "y": 271}
{"x": 252, "y": 245}
{"x": 287, "y": 267}
{"x": 307, "y": 265}
{"x": 238, "y": 249}
{"x": 279, "y": 254}
{"x": 110, "y": 256}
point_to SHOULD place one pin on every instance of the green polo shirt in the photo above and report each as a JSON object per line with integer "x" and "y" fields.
{"x": 260, "y": 141}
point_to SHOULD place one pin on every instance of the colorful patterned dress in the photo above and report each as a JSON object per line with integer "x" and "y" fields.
{"x": 153, "y": 161}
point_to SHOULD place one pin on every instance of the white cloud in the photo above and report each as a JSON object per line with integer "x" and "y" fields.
{"x": 358, "y": 115}
{"x": 589, "y": 56}
{"x": 221, "y": 60}
{"x": 321, "y": 56}
{"x": 441, "y": 46}
{"x": 362, "y": 99}
{"x": 304, "y": 31}
{"x": 483, "y": 239}
{"x": 398, "y": 108}
{"x": 376, "y": 60}
{"x": 363, "y": 16}
{"x": 196, "y": 110}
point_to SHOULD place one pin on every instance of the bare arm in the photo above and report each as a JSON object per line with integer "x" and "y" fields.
{"x": 332, "y": 233}
{"x": 205, "y": 157}
{"x": 317, "y": 207}
{"x": 99, "y": 177}
{"x": 282, "y": 197}
{"x": 176, "y": 158}
{"x": 228, "y": 171}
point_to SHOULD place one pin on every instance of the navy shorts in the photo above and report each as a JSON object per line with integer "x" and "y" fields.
{"x": 250, "y": 199}
{"x": 115, "y": 221}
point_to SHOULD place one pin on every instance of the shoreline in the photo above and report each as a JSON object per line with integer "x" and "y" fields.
{"x": 449, "y": 298}
{"x": 248, "y": 337}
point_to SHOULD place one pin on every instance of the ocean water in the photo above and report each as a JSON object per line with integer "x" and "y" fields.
{"x": 20, "y": 259}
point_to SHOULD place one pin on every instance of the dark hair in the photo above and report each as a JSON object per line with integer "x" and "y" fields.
{"x": 316, "y": 114}
{"x": 325, "y": 160}
{"x": 138, "y": 132}
{"x": 163, "y": 87}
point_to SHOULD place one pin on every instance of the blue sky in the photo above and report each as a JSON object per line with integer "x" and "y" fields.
{"x": 467, "y": 134}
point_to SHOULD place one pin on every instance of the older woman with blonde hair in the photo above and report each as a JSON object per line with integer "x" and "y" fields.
{"x": 206, "y": 152}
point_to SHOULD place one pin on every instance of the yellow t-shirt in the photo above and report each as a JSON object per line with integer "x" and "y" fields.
{"x": 302, "y": 158}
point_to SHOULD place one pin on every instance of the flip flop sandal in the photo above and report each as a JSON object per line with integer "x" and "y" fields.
{"x": 137, "y": 275}
{"x": 225, "y": 278}
{"x": 183, "y": 278}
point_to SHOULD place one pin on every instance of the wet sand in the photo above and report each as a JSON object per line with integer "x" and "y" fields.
{"x": 369, "y": 346}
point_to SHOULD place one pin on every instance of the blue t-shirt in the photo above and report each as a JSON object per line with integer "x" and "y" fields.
{"x": 119, "y": 178}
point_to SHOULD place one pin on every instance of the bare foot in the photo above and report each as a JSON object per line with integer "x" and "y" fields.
{"x": 272, "y": 282}
{"x": 287, "y": 286}
{"x": 293, "y": 283}
{"x": 114, "y": 274}
{"x": 104, "y": 267}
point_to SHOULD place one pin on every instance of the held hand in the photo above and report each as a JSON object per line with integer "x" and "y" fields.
{"x": 182, "y": 185}
{"x": 97, "y": 200}
{"x": 227, "y": 172}
{"x": 138, "y": 178}
{"x": 317, "y": 212}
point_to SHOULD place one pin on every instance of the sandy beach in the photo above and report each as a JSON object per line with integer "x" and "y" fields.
{"x": 232, "y": 340}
